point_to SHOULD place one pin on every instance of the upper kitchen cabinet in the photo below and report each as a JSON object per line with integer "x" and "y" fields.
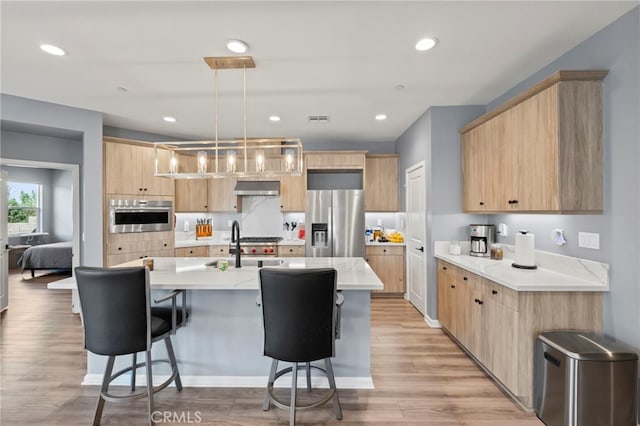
{"x": 130, "y": 169}
{"x": 540, "y": 151}
{"x": 381, "y": 183}
{"x": 334, "y": 160}
{"x": 191, "y": 194}
{"x": 293, "y": 193}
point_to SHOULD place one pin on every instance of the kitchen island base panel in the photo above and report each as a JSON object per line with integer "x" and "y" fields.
{"x": 222, "y": 342}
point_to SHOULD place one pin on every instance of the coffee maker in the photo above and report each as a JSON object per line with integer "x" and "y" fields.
{"x": 482, "y": 238}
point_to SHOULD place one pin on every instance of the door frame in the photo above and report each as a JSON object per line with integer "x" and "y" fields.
{"x": 408, "y": 170}
{"x": 75, "y": 190}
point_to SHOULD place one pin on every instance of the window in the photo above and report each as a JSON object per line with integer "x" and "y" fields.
{"x": 24, "y": 203}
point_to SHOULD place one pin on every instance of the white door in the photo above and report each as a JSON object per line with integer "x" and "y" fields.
{"x": 416, "y": 236}
{"x": 4, "y": 244}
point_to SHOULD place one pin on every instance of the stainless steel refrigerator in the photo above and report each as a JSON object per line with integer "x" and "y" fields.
{"x": 335, "y": 223}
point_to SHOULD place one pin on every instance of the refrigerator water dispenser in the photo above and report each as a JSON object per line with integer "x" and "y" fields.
{"x": 319, "y": 237}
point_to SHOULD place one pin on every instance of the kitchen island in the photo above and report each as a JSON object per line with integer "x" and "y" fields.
{"x": 221, "y": 345}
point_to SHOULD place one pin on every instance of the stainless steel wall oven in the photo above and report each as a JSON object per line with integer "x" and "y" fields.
{"x": 140, "y": 216}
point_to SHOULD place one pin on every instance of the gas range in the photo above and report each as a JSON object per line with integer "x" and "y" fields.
{"x": 256, "y": 246}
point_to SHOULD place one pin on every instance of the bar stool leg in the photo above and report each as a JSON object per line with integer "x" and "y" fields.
{"x": 174, "y": 363}
{"x": 133, "y": 372}
{"x": 272, "y": 375}
{"x": 332, "y": 384}
{"x": 104, "y": 389}
{"x": 308, "y": 377}
{"x": 294, "y": 387}
{"x": 150, "y": 388}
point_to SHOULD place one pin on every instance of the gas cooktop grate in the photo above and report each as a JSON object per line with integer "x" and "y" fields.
{"x": 260, "y": 239}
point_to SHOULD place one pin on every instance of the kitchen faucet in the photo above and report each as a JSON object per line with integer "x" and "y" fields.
{"x": 235, "y": 238}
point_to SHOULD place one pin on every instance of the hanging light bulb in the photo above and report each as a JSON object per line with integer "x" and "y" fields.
{"x": 289, "y": 160}
{"x": 202, "y": 162}
{"x": 231, "y": 161}
{"x": 173, "y": 163}
{"x": 259, "y": 160}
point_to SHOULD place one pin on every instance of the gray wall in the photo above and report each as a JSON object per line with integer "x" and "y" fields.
{"x": 62, "y": 218}
{"x": 35, "y": 147}
{"x": 37, "y": 115}
{"x": 434, "y": 138}
{"x": 615, "y": 48}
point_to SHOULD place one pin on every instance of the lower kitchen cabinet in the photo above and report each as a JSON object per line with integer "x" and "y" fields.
{"x": 291, "y": 251}
{"x": 130, "y": 246}
{"x": 389, "y": 265}
{"x": 219, "y": 251}
{"x": 498, "y": 326}
{"x": 198, "y": 251}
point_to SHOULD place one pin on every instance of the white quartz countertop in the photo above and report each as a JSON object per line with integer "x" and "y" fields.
{"x": 375, "y": 243}
{"x": 554, "y": 273}
{"x": 191, "y": 273}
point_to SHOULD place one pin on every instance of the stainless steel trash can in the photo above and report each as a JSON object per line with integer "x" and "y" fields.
{"x": 584, "y": 379}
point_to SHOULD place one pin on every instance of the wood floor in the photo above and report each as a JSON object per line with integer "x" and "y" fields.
{"x": 421, "y": 376}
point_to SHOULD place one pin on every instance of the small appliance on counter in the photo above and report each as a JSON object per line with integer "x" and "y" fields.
{"x": 482, "y": 238}
{"x": 525, "y": 251}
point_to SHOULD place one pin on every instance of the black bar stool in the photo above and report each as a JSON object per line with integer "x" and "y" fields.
{"x": 300, "y": 316}
{"x": 118, "y": 320}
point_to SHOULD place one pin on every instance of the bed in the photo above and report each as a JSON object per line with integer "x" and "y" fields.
{"x": 46, "y": 256}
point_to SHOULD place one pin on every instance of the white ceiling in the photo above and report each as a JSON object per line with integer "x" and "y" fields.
{"x": 343, "y": 59}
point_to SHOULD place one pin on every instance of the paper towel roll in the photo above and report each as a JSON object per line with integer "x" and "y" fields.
{"x": 525, "y": 246}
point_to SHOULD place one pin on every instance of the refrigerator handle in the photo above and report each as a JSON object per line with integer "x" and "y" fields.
{"x": 330, "y": 229}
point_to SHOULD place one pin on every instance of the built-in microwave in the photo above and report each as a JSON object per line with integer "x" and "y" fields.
{"x": 140, "y": 216}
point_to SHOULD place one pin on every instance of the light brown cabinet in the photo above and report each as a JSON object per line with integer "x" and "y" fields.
{"x": 334, "y": 160}
{"x": 130, "y": 246}
{"x": 381, "y": 183}
{"x": 220, "y": 196}
{"x": 540, "y": 151}
{"x": 129, "y": 169}
{"x": 219, "y": 251}
{"x": 291, "y": 251}
{"x": 198, "y": 251}
{"x": 191, "y": 194}
{"x": 389, "y": 265}
{"x": 498, "y": 325}
{"x": 293, "y": 193}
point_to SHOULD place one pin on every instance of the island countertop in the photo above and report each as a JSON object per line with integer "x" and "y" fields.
{"x": 192, "y": 273}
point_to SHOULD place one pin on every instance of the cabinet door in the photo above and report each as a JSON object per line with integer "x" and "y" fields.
{"x": 381, "y": 184}
{"x": 446, "y": 278}
{"x": 474, "y": 306}
{"x": 123, "y": 173}
{"x": 500, "y": 341}
{"x": 191, "y": 194}
{"x": 388, "y": 264}
{"x": 536, "y": 139}
{"x": 293, "y": 193}
{"x": 155, "y": 185}
{"x": 199, "y": 251}
{"x": 473, "y": 197}
{"x": 335, "y": 160}
{"x": 500, "y": 173}
{"x": 221, "y": 198}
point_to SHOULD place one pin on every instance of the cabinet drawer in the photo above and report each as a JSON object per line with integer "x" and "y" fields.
{"x": 501, "y": 294}
{"x": 384, "y": 250}
{"x": 291, "y": 251}
{"x": 218, "y": 251}
{"x": 199, "y": 251}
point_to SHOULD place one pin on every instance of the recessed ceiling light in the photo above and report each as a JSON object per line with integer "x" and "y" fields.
{"x": 53, "y": 50}
{"x": 237, "y": 46}
{"x": 274, "y": 118}
{"x": 426, "y": 44}
{"x": 170, "y": 119}
{"x": 122, "y": 89}
{"x": 381, "y": 117}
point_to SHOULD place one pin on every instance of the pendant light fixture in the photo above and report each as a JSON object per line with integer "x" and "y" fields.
{"x": 241, "y": 157}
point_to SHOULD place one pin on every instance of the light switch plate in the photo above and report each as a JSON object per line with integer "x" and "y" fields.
{"x": 589, "y": 240}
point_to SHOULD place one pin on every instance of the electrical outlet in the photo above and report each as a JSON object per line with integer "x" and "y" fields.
{"x": 589, "y": 240}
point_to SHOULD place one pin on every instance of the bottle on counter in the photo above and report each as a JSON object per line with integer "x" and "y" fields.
{"x": 496, "y": 252}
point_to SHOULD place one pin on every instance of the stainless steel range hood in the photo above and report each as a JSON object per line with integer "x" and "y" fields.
{"x": 259, "y": 187}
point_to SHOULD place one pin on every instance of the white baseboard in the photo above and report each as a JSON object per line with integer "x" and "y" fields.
{"x": 236, "y": 381}
{"x": 431, "y": 322}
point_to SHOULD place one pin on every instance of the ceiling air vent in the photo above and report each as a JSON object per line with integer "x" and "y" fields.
{"x": 318, "y": 119}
